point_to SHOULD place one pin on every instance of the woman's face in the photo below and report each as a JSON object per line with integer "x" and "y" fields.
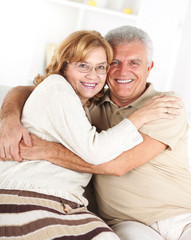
{"x": 89, "y": 83}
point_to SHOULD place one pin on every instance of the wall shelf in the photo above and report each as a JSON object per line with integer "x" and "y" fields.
{"x": 98, "y": 18}
{"x": 84, "y": 6}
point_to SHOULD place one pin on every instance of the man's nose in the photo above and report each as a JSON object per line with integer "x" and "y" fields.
{"x": 123, "y": 70}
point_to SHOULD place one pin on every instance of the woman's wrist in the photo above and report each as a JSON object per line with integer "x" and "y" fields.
{"x": 137, "y": 120}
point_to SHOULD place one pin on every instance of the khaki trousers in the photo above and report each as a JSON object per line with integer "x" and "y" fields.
{"x": 176, "y": 228}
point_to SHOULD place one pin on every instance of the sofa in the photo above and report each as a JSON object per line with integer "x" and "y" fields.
{"x": 3, "y": 91}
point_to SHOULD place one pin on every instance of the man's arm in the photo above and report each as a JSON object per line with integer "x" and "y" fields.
{"x": 61, "y": 156}
{"x": 133, "y": 158}
{"x": 11, "y": 130}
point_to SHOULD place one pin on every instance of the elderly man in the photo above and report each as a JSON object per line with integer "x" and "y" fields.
{"x": 151, "y": 200}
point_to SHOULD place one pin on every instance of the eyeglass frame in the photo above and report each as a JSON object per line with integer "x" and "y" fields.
{"x": 91, "y": 67}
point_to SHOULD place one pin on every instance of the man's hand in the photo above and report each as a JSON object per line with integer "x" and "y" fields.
{"x": 11, "y": 135}
{"x": 40, "y": 149}
{"x": 55, "y": 153}
{"x": 11, "y": 130}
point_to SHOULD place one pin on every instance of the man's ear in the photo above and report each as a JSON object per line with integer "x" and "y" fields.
{"x": 150, "y": 66}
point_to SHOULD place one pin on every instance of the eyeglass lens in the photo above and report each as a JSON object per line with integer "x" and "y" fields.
{"x": 87, "y": 67}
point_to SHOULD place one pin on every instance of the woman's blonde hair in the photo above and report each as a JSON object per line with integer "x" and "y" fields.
{"x": 75, "y": 48}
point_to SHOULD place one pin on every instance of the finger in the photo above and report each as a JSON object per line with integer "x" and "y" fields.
{"x": 173, "y": 111}
{"x": 2, "y": 153}
{"x": 166, "y": 115}
{"x": 24, "y": 151}
{"x": 178, "y": 105}
{"x": 165, "y": 98}
{"x": 2, "y": 160}
{"x": 15, "y": 153}
{"x": 26, "y": 138}
{"x": 171, "y": 99}
{"x": 7, "y": 152}
{"x": 175, "y": 105}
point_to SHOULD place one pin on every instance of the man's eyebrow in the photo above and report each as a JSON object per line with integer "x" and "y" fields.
{"x": 136, "y": 60}
{"x": 114, "y": 59}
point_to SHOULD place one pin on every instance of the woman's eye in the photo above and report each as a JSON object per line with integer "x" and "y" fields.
{"x": 83, "y": 65}
{"x": 101, "y": 67}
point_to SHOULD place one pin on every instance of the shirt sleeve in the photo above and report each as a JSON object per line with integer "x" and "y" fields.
{"x": 168, "y": 131}
{"x": 65, "y": 119}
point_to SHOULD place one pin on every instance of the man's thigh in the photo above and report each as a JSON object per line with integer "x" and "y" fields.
{"x": 131, "y": 230}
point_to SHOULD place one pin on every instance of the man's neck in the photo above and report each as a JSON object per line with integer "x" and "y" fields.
{"x": 125, "y": 102}
{"x": 122, "y": 103}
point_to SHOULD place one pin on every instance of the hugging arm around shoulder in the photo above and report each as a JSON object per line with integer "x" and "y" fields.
{"x": 128, "y": 160}
{"x": 63, "y": 118}
{"x": 151, "y": 146}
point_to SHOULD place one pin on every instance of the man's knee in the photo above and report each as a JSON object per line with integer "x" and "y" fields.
{"x": 186, "y": 233}
{"x": 131, "y": 230}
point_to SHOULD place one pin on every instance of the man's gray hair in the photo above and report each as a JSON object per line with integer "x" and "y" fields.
{"x": 127, "y": 34}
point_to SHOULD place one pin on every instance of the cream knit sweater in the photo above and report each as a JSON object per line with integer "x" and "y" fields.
{"x": 54, "y": 112}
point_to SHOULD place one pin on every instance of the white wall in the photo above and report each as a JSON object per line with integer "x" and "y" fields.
{"x": 181, "y": 81}
{"x": 28, "y": 25}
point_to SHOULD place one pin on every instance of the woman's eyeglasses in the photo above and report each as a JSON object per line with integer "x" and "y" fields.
{"x": 87, "y": 67}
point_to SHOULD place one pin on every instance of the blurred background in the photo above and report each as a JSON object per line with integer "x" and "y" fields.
{"x": 29, "y": 26}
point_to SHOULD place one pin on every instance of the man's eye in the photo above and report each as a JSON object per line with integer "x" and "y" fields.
{"x": 114, "y": 63}
{"x": 134, "y": 63}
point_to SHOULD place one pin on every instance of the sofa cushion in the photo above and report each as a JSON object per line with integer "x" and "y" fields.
{"x": 3, "y": 92}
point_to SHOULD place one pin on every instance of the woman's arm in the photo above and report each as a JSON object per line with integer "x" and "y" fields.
{"x": 61, "y": 156}
{"x": 11, "y": 130}
{"x": 73, "y": 130}
{"x": 140, "y": 114}
{"x": 54, "y": 112}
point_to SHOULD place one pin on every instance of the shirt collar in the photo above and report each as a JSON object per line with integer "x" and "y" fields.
{"x": 149, "y": 92}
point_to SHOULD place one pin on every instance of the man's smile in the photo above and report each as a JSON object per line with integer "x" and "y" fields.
{"x": 124, "y": 81}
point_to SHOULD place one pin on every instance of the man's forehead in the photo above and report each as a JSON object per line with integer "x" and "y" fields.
{"x": 128, "y": 52}
{"x": 129, "y": 46}
{"x": 128, "y": 58}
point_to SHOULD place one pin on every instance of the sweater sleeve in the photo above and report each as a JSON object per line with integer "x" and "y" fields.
{"x": 66, "y": 121}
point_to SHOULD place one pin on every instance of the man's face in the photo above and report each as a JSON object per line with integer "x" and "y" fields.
{"x": 128, "y": 73}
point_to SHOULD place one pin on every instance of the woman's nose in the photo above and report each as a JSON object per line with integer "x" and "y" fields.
{"x": 92, "y": 73}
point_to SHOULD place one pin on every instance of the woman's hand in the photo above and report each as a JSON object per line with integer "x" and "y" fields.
{"x": 158, "y": 107}
{"x": 11, "y": 134}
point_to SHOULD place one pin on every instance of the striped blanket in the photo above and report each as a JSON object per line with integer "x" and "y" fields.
{"x": 32, "y": 216}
